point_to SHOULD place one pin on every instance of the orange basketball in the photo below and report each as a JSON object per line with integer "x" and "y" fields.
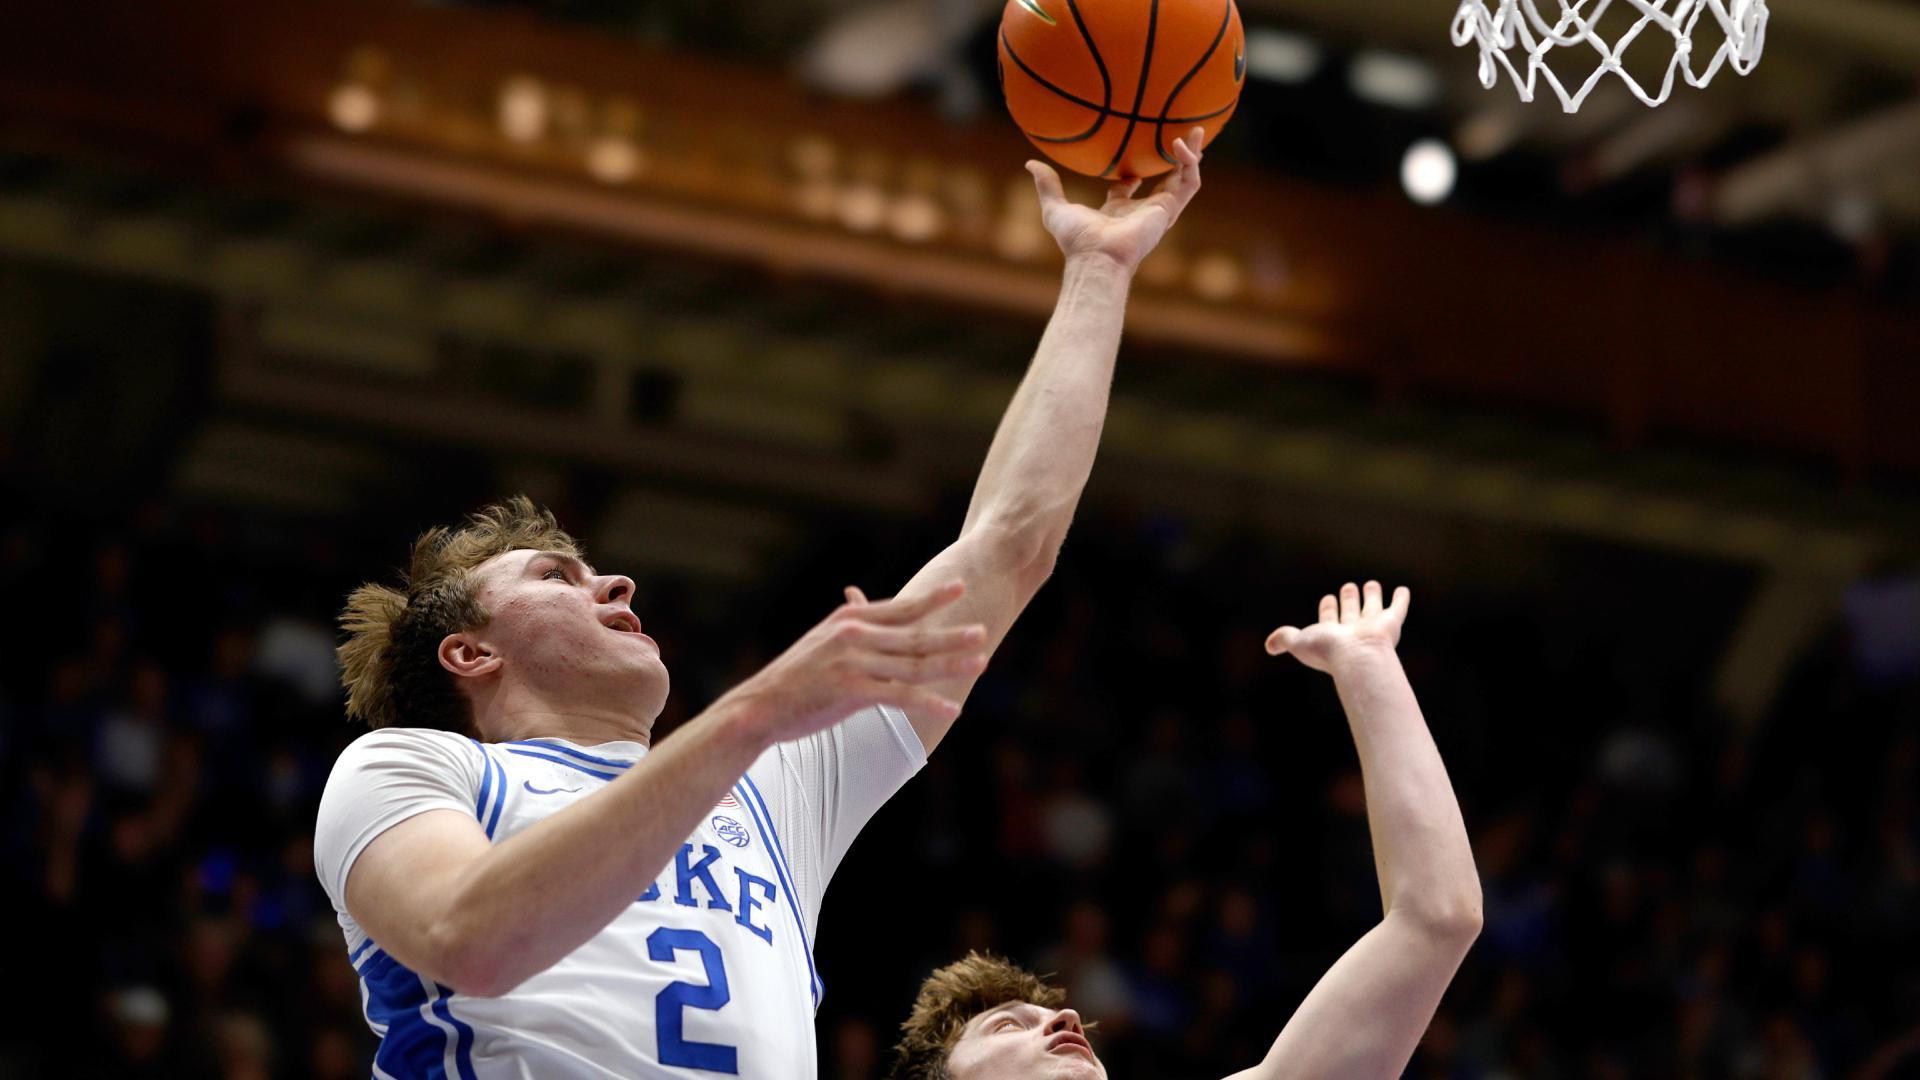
{"x": 1105, "y": 86}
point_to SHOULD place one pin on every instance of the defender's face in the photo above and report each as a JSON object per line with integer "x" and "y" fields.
{"x": 1023, "y": 1041}
{"x": 569, "y": 631}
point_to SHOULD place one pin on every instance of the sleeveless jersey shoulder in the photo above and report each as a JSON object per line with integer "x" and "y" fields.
{"x": 383, "y": 778}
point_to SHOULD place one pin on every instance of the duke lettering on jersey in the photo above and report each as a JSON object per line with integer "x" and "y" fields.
{"x": 744, "y": 907}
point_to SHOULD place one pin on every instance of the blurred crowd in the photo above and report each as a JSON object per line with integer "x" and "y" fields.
{"x": 1138, "y": 799}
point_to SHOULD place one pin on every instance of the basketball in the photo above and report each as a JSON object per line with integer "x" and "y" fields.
{"x": 1104, "y": 86}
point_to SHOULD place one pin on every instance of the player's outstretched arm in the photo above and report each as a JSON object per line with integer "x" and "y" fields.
{"x": 483, "y": 917}
{"x": 1044, "y": 449}
{"x": 1366, "y": 1015}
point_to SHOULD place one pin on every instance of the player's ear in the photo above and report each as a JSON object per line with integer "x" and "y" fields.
{"x": 465, "y": 654}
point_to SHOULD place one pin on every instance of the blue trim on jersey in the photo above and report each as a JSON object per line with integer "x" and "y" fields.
{"x": 571, "y": 752}
{"x": 499, "y": 794}
{"x": 463, "y": 1033}
{"x": 486, "y": 781}
{"x": 412, "y": 1047}
{"x": 367, "y": 999}
{"x": 563, "y": 761}
{"x": 786, "y": 878}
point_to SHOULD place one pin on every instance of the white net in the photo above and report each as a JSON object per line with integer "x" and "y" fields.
{"x": 1515, "y": 32}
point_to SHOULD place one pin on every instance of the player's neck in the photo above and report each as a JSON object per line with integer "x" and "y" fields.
{"x": 514, "y": 716}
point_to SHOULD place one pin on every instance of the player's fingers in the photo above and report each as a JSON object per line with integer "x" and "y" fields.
{"x": 855, "y": 596}
{"x": 1281, "y": 640}
{"x": 906, "y": 609}
{"x": 1168, "y": 196}
{"x": 1402, "y": 599}
{"x": 923, "y": 641}
{"x": 1349, "y": 602}
{"x": 1370, "y": 598}
{"x": 923, "y": 669}
{"x": 1176, "y": 186}
{"x": 1329, "y": 609}
{"x": 1178, "y": 190}
{"x": 1187, "y": 151}
{"x": 1122, "y": 190}
{"x": 912, "y": 699}
{"x": 1046, "y": 182}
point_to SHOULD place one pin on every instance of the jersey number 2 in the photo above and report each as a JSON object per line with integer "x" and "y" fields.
{"x": 675, "y": 1048}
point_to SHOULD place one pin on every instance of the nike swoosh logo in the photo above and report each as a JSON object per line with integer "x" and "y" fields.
{"x": 543, "y": 791}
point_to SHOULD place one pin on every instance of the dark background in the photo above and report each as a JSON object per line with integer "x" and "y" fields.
{"x": 1666, "y": 625}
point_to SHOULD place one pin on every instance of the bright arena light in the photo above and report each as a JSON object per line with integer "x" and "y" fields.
{"x": 1281, "y": 55}
{"x": 523, "y": 109}
{"x": 614, "y": 160}
{"x": 916, "y": 218}
{"x": 1217, "y": 276}
{"x": 862, "y": 207}
{"x": 1394, "y": 80}
{"x": 1428, "y": 172}
{"x": 353, "y": 107}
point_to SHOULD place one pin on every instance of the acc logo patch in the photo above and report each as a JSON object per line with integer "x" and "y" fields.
{"x": 731, "y": 831}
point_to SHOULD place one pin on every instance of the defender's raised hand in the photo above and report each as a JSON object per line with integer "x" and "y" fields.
{"x": 1123, "y": 228}
{"x": 1355, "y": 619}
{"x": 865, "y": 654}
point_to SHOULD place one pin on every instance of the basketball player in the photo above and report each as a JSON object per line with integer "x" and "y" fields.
{"x": 529, "y": 888}
{"x": 983, "y": 1017}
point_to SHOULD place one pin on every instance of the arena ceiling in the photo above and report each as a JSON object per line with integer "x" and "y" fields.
{"x": 1825, "y": 134}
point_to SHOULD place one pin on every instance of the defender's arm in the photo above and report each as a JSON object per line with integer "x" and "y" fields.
{"x": 1367, "y": 1014}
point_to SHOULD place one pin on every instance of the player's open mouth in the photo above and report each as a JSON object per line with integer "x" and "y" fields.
{"x": 625, "y": 622}
{"x": 1067, "y": 1040}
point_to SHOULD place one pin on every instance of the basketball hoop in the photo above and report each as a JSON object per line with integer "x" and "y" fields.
{"x": 1519, "y": 24}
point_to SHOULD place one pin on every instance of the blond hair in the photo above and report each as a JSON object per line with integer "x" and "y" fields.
{"x": 949, "y": 998}
{"x": 390, "y": 660}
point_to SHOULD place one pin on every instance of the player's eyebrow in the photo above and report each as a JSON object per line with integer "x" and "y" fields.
{"x": 1010, "y": 1007}
{"x": 571, "y": 562}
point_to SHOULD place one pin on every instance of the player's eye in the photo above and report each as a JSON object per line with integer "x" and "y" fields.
{"x": 1004, "y": 1023}
{"x": 549, "y": 575}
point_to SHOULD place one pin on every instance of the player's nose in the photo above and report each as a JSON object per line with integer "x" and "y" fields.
{"x": 614, "y": 589}
{"x": 1064, "y": 1020}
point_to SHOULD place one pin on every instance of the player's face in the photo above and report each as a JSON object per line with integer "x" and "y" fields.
{"x": 570, "y": 633}
{"x": 1023, "y": 1041}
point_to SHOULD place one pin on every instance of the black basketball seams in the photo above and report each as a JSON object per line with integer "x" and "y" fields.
{"x": 1106, "y": 80}
{"x": 1095, "y": 106}
{"x": 1160, "y": 126}
{"x": 1104, "y": 109}
{"x": 1086, "y": 34}
{"x": 1140, "y": 94}
{"x": 1101, "y": 111}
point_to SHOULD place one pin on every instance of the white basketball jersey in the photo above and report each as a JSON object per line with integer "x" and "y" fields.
{"x": 708, "y": 973}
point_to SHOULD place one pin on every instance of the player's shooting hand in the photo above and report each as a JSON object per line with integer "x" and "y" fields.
{"x": 1124, "y": 228}
{"x": 1355, "y": 620}
{"x": 866, "y": 654}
